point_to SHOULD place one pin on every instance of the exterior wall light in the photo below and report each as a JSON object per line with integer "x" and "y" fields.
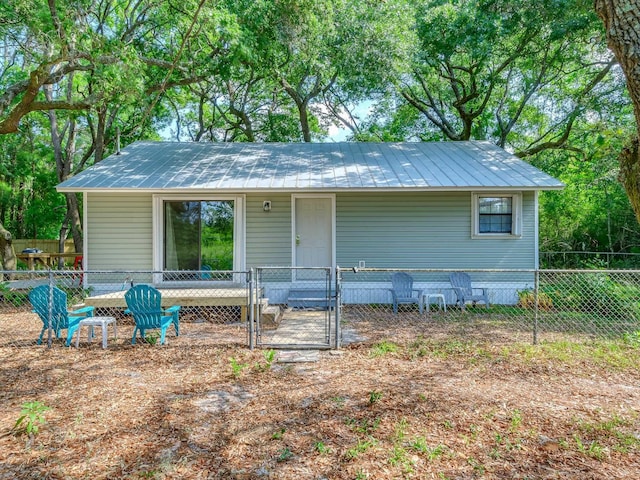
{"x": 266, "y": 205}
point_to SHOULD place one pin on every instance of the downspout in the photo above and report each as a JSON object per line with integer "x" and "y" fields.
{"x": 536, "y": 260}
{"x": 86, "y": 235}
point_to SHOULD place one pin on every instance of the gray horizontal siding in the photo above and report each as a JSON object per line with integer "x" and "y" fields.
{"x": 119, "y": 231}
{"x": 386, "y": 230}
{"x": 268, "y": 233}
{"x": 425, "y": 230}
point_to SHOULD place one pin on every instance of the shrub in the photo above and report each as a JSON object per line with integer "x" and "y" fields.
{"x": 527, "y": 299}
{"x": 596, "y": 293}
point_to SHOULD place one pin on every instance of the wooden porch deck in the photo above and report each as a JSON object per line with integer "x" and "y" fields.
{"x": 185, "y": 297}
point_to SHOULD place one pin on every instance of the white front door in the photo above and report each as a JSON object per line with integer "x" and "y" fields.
{"x": 313, "y": 231}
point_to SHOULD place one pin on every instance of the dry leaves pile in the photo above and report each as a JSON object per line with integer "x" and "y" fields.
{"x": 414, "y": 400}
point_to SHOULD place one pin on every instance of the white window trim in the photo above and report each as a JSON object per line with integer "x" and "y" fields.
{"x": 239, "y": 228}
{"x": 516, "y": 215}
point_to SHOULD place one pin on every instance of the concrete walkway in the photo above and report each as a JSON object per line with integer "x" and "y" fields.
{"x": 302, "y": 329}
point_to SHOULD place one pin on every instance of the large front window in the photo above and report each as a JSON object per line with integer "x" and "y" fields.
{"x": 198, "y": 235}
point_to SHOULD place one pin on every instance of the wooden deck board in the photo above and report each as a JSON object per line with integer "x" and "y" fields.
{"x": 180, "y": 296}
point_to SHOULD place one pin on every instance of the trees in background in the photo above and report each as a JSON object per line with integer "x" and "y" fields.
{"x": 592, "y": 213}
{"x": 535, "y": 78}
{"x": 621, "y": 20}
{"x": 519, "y": 74}
{"x": 298, "y": 66}
{"x": 80, "y": 70}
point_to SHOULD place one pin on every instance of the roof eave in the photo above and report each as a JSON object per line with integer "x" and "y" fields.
{"x": 312, "y": 190}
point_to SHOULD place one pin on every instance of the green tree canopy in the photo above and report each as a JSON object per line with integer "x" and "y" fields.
{"x": 534, "y": 77}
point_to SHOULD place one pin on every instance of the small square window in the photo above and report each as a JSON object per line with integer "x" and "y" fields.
{"x": 496, "y": 215}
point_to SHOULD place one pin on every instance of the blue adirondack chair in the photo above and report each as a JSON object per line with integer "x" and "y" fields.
{"x": 206, "y": 272}
{"x": 461, "y": 285}
{"x": 61, "y": 317}
{"x": 144, "y": 303}
{"x": 403, "y": 291}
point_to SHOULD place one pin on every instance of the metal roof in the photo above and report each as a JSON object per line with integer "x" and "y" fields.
{"x": 239, "y": 167}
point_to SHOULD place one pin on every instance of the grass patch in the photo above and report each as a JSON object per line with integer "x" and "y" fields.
{"x": 607, "y": 354}
{"x": 364, "y": 426}
{"x": 383, "y": 348}
{"x": 449, "y": 348}
{"x": 321, "y": 448}
{"x": 400, "y": 458}
{"x": 420, "y": 445}
{"x": 361, "y": 447}
{"x": 617, "y": 433}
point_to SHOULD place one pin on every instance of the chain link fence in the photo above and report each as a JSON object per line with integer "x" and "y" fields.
{"x": 214, "y": 305}
{"x": 297, "y": 308}
{"x": 524, "y": 305}
{"x": 218, "y": 307}
{"x": 590, "y": 260}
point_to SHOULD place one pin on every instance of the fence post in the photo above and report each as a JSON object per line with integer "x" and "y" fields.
{"x": 251, "y": 319}
{"x": 50, "y": 311}
{"x": 338, "y": 307}
{"x": 535, "y": 307}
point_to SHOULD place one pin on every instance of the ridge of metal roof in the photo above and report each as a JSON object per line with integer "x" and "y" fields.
{"x": 246, "y": 167}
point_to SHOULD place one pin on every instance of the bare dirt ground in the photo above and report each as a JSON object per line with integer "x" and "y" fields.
{"x": 409, "y": 400}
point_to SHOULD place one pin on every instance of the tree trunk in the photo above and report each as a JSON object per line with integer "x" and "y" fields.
{"x": 302, "y": 102}
{"x": 100, "y": 132}
{"x": 71, "y": 222}
{"x": 622, "y": 25}
{"x": 6, "y": 250}
{"x": 630, "y": 174}
{"x": 64, "y": 158}
{"x": 75, "y": 221}
{"x": 304, "y": 122}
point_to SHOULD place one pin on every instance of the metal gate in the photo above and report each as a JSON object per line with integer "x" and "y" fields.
{"x": 296, "y": 308}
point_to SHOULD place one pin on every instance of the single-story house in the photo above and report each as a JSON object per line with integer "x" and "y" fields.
{"x": 167, "y": 206}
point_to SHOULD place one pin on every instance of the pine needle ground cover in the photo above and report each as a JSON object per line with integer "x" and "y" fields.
{"x": 407, "y": 400}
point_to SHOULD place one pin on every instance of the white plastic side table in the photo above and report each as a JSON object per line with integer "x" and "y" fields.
{"x": 439, "y": 300}
{"x": 91, "y": 322}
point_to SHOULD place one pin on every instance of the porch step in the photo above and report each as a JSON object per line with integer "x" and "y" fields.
{"x": 270, "y": 316}
{"x": 310, "y": 298}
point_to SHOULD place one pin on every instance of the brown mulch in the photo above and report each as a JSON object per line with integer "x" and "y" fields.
{"x": 416, "y": 399}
